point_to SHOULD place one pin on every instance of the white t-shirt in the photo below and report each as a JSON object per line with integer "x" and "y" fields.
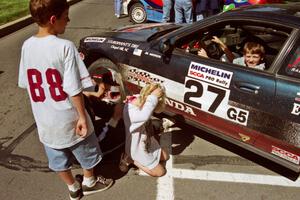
{"x": 52, "y": 72}
{"x": 241, "y": 61}
{"x": 135, "y": 120}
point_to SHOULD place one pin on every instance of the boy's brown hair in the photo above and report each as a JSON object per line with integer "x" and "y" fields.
{"x": 42, "y": 10}
{"x": 254, "y": 48}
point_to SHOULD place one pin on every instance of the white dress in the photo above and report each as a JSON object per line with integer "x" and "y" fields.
{"x": 135, "y": 120}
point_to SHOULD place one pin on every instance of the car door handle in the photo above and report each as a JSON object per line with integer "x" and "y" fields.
{"x": 248, "y": 87}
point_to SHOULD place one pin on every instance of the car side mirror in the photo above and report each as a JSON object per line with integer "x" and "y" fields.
{"x": 165, "y": 47}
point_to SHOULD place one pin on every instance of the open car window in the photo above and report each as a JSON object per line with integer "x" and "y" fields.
{"x": 235, "y": 35}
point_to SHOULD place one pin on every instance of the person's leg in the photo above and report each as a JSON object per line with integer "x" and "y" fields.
{"x": 164, "y": 155}
{"x": 67, "y": 177}
{"x": 157, "y": 171}
{"x": 115, "y": 6}
{"x": 167, "y": 6}
{"x": 60, "y": 162}
{"x": 178, "y": 12}
{"x": 118, "y": 8}
{"x": 88, "y": 154}
{"x": 188, "y": 11}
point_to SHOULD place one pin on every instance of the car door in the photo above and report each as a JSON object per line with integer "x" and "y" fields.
{"x": 288, "y": 96}
{"x": 209, "y": 93}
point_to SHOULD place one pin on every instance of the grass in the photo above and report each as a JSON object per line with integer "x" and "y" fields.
{"x": 13, "y": 9}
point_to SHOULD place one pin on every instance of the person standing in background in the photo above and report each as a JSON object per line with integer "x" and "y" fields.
{"x": 167, "y": 7}
{"x": 118, "y": 7}
{"x": 183, "y": 11}
{"x": 205, "y": 8}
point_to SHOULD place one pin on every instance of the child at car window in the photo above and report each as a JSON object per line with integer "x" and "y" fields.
{"x": 141, "y": 148}
{"x": 253, "y": 54}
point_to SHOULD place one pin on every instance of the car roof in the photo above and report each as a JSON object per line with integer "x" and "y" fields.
{"x": 288, "y": 13}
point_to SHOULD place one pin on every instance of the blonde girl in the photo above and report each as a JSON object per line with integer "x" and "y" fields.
{"x": 141, "y": 148}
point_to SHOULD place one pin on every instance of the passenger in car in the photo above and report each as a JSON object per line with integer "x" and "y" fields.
{"x": 253, "y": 56}
{"x": 141, "y": 147}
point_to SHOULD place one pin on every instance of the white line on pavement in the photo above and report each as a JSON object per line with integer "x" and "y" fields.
{"x": 234, "y": 177}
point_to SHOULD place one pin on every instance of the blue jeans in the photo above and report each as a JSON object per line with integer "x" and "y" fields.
{"x": 87, "y": 153}
{"x": 183, "y": 11}
{"x": 167, "y": 6}
{"x": 118, "y": 7}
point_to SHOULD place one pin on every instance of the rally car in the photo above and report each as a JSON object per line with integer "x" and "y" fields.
{"x": 254, "y": 109}
{"x": 141, "y": 11}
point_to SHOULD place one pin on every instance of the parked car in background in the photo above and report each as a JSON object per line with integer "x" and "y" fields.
{"x": 140, "y": 11}
{"x": 231, "y": 4}
{"x": 258, "y": 110}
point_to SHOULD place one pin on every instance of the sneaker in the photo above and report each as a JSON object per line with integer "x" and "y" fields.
{"x": 100, "y": 185}
{"x": 75, "y": 195}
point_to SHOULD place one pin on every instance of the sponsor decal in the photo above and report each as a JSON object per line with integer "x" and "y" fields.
{"x": 285, "y": 155}
{"x": 180, "y": 106}
{"x": 213, "y": 99}
{"x": 137, "y": 52}
{"x": 153, "y": 55}
{"x": 95, "y": 39}
{"x": 123, "y": 44}
{"x": 193, "y": 94}
{"x": 210, "y": 74}
{"x": 297, "y": 98}
{"x": 237, "y": 115}
{"x": 244, "y": 138}
{"x": 142, "y": 76}
{"x": 296, "y": 109}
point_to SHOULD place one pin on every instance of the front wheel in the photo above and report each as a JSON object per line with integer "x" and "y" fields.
{"x": 137, "y": 13}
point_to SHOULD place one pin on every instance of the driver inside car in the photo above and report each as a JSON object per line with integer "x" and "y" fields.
{"x": 253, "y": 54}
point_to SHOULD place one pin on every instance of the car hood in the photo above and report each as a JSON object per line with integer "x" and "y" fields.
{"x": 141, "y": 32}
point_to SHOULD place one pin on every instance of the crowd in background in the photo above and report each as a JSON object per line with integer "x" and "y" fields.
{"x": 187, "y": 11}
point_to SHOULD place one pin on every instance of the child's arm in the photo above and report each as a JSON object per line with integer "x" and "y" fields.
{"x": 81, "y": 126}
{"x": 224, "y": 47}
{"x": 99, "y": 93}
{"x": 143, "y": 114}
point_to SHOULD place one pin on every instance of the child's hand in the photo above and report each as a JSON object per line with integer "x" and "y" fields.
{"x": 202, "y": 53}
{"x": 218, "y": 41}
{"x": 81, "y": 128}
{"x": 157, "y": 92}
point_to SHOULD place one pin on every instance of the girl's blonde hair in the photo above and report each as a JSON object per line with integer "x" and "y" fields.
{"x": 147, "y": 90}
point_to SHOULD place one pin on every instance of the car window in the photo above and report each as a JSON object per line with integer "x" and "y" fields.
{"x": 292, "y": 66}
{"x": 213, "y": 43}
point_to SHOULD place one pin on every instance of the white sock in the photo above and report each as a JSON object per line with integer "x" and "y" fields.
{"x": 74, "y": 187}
{"x": 89, "y": 181}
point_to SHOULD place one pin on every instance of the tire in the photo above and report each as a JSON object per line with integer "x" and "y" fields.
{"x": 137, "y": 13}
{"x": 101, "y": 62}
{"x": 108, "y": 64}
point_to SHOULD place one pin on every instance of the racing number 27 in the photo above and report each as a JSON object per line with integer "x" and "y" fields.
{"x": 54, "y": 81}
{"x": 199, "y": 92}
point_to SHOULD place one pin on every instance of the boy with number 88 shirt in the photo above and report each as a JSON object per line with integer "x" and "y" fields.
{"x": 54, "y": 75}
